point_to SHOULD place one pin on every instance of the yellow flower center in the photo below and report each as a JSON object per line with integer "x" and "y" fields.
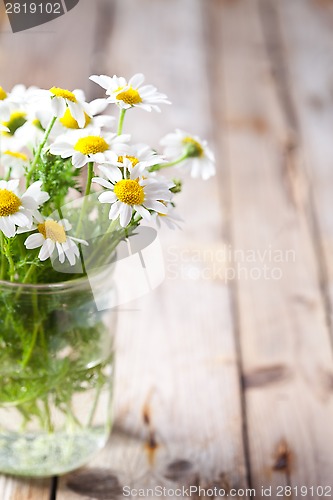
{"x": 3, "y": 94}
{"x": 16, "y": 120}
{"x": 91, "y": 145}
{"x": 129, "y": 96}
{"x": 52, "y": 230}
{"x": 65, "y": 94}
{"x": 133, "y": 159}
{"x": 194, "y": 148}
{"x": 19, "y": 156}
{"x": 69, "y": 122}
{"x": 130, "y": 192}
{"x": 9, "y": 203}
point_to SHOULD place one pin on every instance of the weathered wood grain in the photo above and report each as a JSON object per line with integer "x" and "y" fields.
{"x": 15, "y": 489}
{"x": 309, "y": 58}
{"x": 177, "y": 391}
{"x": 285, "y": 343}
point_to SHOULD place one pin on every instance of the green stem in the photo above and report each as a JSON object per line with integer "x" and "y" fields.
{"x": 29, "y": 272}
{"x": 121, "y": 121}
{"x": 89, "y": 178}
{"x": 160, "y": 166}
{"x": 39, "y": 150}
{"x": 9, "y": 173}
{"x": 3, "y": 257}
{"x": 97, "y": 250}
{"x": 9, "y": 257}
{"x": 48, "y": 421}
{"x": 94, "y": 407}
{"x": 25, "y": 280}
{"x": 90, "y": 175}
{"x": 28, "y": 354}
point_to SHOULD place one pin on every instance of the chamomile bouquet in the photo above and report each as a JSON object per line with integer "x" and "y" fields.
{"x": 54, "y": 341}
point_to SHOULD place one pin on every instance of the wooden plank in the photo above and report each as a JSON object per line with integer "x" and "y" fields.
{"x": 285, "y": 343}
{"x": 177, "y": 391}
{"x": 15, "y": 489}
{"x": 306, "y": 27}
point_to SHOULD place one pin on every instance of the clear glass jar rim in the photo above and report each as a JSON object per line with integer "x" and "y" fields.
{"x": 54, "y": 287}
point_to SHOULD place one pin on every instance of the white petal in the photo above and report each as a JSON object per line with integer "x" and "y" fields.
{"x": 102, "y": 80}
{"x": 20, "y": 219}
{"x": 157, "y": 206}
{"x": 65, "y": 224}
{"x": 97, "y": 157}
{"x": 7, "y": 227}
{"x": 114, "y": 210}
{"x": 102, "y": 182}
{"x": 58, "y": 107}
{"x": 145, "y": 214}
{"x": 62, "y": 149}
{"x": 79, "y": 160}
{"x": 79, "y": 94}
{"x": 60, "y": 253}
{"x": 70, "y": 254}
{"x": 13, "y": 185}
{"x": 78, "y": 240}
{"x": 36, "y": 215}
{"x": 77, "y": 113}
{"x": 125, "y": 214}
{"x": 29, "y": 203}
{"x": 111, "y": 172}
{"x": 97, "y": 106}
{"x": 104, "y": 121}
{"x": 34, "y": 189}
{"x": 34, "y": 241}
{"x": 107, "y": 197}
{"x": 136, "y": 80}
{"x": 45, "y": 252}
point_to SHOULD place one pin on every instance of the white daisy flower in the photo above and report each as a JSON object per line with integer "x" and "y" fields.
{"x": 61, "y": 99}
{"x": 135, "y": 194}
{"x": 18, "y": 211}
{"x": 171, "y": 219}
{"x": 51, "y": 237}
{"x": 3, "y": 128}
{"x": 132, "y": 93}
{"x": 200, "y": 159}
{"x": 143, "y": 154}
{"x": 92, "y": 120}
{"x": 15, "y": 162}
{"x": 89, "y": 146}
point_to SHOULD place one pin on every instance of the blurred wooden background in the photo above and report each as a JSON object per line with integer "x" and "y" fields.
{"x": 220, "y": 382}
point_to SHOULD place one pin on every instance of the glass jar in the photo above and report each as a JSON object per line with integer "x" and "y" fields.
{"x": 56, "y": 372}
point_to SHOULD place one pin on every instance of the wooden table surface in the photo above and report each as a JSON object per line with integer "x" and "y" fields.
{"x": 225, "y": 373}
